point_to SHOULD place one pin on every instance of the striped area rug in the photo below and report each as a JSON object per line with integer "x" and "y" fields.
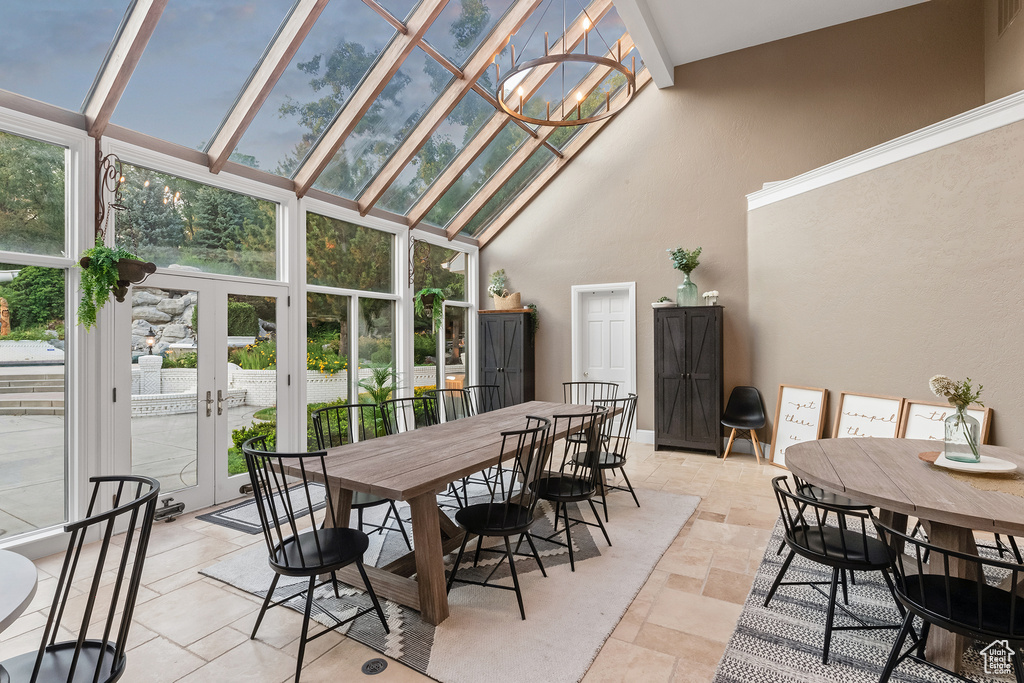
{"x": 782, "y": 643}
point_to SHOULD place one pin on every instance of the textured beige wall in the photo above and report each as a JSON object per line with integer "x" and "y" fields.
{"x": 880, "y": 281}
{"x": 674, "y": 168}
{"x": 1004, "y": 55}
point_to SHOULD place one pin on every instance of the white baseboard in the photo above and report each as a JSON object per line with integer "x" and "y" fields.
{"x": 738, "y": 445}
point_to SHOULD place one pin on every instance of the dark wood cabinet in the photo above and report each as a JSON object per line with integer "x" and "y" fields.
{"x": 506, "y": 354}
{"x": 688, "y": 377}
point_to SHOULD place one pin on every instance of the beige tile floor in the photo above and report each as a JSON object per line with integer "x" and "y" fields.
{"x": 192, "y": 629}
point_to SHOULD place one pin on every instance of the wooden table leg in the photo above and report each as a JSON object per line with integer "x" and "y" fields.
{"x": 944, "y": 647}
{"x": 342, "y": 509}
{"x": 897, "y": 521}
{"x": 426, "y": 534}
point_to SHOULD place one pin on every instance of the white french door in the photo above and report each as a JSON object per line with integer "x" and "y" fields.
{"x": 213, "y": 370}
{"x": 604, "y": 335}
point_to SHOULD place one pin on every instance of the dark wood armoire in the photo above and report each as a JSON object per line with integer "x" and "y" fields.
{"x": 506, "y": 354}
{"x": 688, "y": 377}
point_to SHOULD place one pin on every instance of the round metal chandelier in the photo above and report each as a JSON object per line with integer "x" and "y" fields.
{"x": 576, "y": 107}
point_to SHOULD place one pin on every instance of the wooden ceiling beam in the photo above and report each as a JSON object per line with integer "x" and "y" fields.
{"x": 442, "y": 60}
{"x": 120, "y": 64}
{"x": 364, "y": 96}
{"x": 526, "y": 150}
{"x": 451, "y": 174}
{"x": 387, "y": 16}
{"x": 279, "y": 55}
{"x": 514, "y": 18}
{"x": 548, "y": 174}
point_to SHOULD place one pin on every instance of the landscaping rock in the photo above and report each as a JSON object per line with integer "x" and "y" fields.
{"x": 172, "y": 333}
{"x": 150, "y": 314}
{"x": 172, "y": 307}
{"x": 145, "y": 297}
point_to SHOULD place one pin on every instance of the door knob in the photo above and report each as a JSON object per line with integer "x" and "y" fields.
{"x": 220, "y": 403}
{"x": 586, "y": 374}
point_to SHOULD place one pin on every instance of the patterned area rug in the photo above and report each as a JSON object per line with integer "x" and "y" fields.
{"x": 782, "y": 643}
{"x": 246, "y": 518}
{"x": 569, "y": 615}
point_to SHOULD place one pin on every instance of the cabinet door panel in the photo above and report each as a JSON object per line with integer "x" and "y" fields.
{"x": 512, "y": 362}
{"x": 490, "y": 350}
{"x": 672, "y": 363}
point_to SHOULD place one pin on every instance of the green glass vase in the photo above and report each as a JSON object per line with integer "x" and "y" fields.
{"x": 686, "y": 293}
{"x": 962, "y": 437}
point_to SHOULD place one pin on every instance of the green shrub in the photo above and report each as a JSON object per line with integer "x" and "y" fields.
{"x": 35, "y": 296}
{"x": 36, "y": 332}
{"x": 258, "y": 356}
{"x": 242, "y": 320}
{"x": 242, "y": 434}
{"x": 324, "y": 360}
{"x": 368, "y": 346}
{"x": 381, "y": 356}
{"x": 195, "y": 319}
{"x": 186, "y": 359}
{"x": 424, "y": 344}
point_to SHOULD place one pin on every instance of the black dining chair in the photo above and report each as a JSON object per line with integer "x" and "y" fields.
{"x": 844, "y": 548}
{"x": 451, "y": 404}
{"x": 484, "y": 397}
{"x": 573, "y": 474}
{"x": 615, "y": 438}
{"x": 967, "y": 606}
{"x": 282, "y": 502}
{"x": 744, "y": 411}
{"x": 585, "y": 393}
{"x": 510, "y": 510}
{"x": 820, "y": 495}
{"x": 350, "y": 423}
{"x": 97, "y": 654}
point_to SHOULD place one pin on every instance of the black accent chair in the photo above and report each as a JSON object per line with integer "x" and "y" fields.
{"x": 98, "y": 653}
{"x": 344, "y": 424}
{"x": 614, "y": 443}
{"x": 484, "y": 397}
{"x": 969, "y": 607}
{"x": 841, "y": 547}
{"x": 510, "y": 510}
{"x": 820, "y": 495}
{"x": 318, "y": 550}
{"x": 451, "y": 404}
{"x": 573, "y": 474}
{"x": 745, "y": 411}
{"x": 405, "y": 414}
{"x": 1000, "y": 546}
{"x": 585, "y": 393}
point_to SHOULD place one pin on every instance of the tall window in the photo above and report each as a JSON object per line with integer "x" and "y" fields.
{"x": 176, "y": 222}
{"x": 33, "y": 452}
{"x": 350, "y": 313}
{"x": 439, "y": 327}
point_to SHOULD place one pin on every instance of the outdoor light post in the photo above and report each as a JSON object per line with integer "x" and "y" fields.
{"x": 150, "y": 339}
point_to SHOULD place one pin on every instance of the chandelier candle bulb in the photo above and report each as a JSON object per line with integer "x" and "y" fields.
{"x": 546, "y": 44}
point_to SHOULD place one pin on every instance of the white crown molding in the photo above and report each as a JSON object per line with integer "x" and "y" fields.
{"x": 983, "y": 119}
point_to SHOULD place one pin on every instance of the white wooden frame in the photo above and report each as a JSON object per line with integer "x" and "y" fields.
{"x": 981, "y": 413}
{"x": 577, "y": 333}
{"x": 842, "y": 403}
{"x": 817, "y": 427}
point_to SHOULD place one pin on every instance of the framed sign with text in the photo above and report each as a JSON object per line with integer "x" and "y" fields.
{"x": 867, "y": 416}
{"x": 926, "y": 420}
{"x": 799, "y": 417}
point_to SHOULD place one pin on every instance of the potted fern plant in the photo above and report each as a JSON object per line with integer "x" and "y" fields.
{"x": 106, "y": 271}
{"x": 432, "y": 299}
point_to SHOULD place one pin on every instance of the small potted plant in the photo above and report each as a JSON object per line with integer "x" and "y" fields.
{"x": 107, "y": 271}
{"x": 498, "y": 289}
{"x": 663, "y": 302}
{"x": 686, "y": 261}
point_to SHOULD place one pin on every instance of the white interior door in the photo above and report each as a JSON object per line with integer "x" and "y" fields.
{"x": 177, "y": 407}
{"x": 604, "y": 347}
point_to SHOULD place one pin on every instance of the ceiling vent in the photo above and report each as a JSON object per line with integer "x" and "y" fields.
{"x": 1008, "y": 11}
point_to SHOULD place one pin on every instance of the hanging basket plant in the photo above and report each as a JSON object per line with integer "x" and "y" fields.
{"x": 107, "y": 271}
{"x": 430, "y": 299}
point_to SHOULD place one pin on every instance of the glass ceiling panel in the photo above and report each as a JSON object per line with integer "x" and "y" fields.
{"x": 52, "y": 51}
{"x": 483, "y": 167}
{"x": 400, "y": 9}
{"x": 387, "y": 122}
{"x": 206, "y": 49}
{"x": 519, "y": 181}
{"x": 462, "y": 26}
{"x": 444, "y": 145}
{"x": 332, "y": 61}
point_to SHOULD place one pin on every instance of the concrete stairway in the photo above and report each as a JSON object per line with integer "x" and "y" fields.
{"x": 32, "y": 394}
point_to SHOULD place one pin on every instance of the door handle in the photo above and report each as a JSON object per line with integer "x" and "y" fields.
{"x": 209, "y": 403}
{"x": 220, "y": 403}
{"x": 586, "y": 374}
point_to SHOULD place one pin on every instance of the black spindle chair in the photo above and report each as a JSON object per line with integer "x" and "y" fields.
{"x": 845, "y": 548}
{"x": 614, "y": 443}
{"x": 405, "y": 414}
{"x": 585, "y": 393}
{"x": 452, "y": 404}
{"x": 510, "y": 510}
{"x": 98, "y": 652}
{"x": 573, "y": 474}
{"x": 968, "y": 606}
{"x": 349, "y": 423}
{"x": 484, "y": 397}
{"x": 281, "y": 504}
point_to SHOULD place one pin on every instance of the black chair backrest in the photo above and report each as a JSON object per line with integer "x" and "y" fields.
{"x": 134, "y": 505}
{"x": 617, "y": 428}
{"x": 578, "y": 457}
{"x": 282, "y": 500}
{"x": 404, "y": 414}
{"x": 805, "y": 522}
{"x": 345, "y": 424}
{"x": 745, "y": 404}
{"x": 484, "y": 397}
{"x": 585, "y": 393}
{"x": 970, "y": 604}
{"x": 452, "y": 404}
{"x": 524, "y": 455}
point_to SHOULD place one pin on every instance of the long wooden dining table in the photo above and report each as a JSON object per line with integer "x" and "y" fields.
{"x": 415, "y": 466}
{"x": 888, "y": 473}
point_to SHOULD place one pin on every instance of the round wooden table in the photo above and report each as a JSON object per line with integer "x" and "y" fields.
{"x": 16, "y": 590}
{"x": 887, "y": 473}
